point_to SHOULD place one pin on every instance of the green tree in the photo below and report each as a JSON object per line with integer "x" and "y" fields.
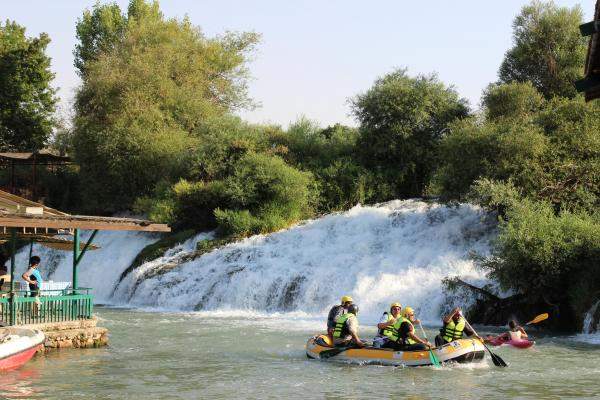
{"x": 146, "y": 96}
{"x": 548, "y": 49}
{"x": 512, "y": 100}
{"x": 402, "y": 120}
{"x": 27, "y": 102}
{"x": 98, "y": 31}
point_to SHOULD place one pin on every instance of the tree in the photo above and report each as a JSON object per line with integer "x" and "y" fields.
{"x": 512, "y": 100}
{"x": 98, "y": 31}
{"x": 548, "y": 49}
{"x": 147, "y": 95}
{"x": 27, "y": 102}
{"x": 401, "y": 122}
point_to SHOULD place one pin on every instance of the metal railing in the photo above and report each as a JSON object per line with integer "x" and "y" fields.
{"x": 68, "y": 305}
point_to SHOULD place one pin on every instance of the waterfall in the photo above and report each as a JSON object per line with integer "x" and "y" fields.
{"x": 591, "y": 320}
{"x": 99, "y": 269}
{"x": 397, "y": 251}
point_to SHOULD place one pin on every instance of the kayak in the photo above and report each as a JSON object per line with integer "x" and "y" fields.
{"x": 519, "y": 343}
{"x": 461, "y": 351}
{"x": 18, "y": 345}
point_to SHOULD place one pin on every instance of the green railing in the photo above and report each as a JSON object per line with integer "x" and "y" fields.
{"x": 66, "y": 305}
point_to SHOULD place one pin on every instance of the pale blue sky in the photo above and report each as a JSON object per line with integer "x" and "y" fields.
{"x": 314, "y": 55}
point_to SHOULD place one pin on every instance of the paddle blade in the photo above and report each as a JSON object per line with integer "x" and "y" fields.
{"x": 539, "y": 318}
{"x": 496, "y": 359}
{"x": 434, "y": 360}
{"x": 331, "y": 353}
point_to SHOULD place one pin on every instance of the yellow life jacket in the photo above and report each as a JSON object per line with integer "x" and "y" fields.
{"x": 389, "y": 330}
{"x": 341, "y": 329}
{"x": 452, "y": 331}
{"x": 396, "y": 331}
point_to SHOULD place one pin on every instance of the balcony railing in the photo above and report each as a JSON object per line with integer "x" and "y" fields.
{"x": 65, "y": 305}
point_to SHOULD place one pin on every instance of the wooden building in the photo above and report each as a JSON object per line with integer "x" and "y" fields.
{"x": 590, "y": 85}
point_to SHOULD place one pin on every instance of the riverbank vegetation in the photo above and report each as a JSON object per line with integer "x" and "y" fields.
{"x": 155, "y": 130}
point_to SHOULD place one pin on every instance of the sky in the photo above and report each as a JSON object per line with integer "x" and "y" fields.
{"x": 316, "y": 55}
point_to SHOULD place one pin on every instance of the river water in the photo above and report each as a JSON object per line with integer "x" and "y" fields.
{"x": 225, "y": 355}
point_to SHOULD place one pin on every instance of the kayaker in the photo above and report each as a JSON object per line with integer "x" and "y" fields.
{"x": 515, "y": 333}
{"x": 453, "y": 329}
{"x": 345, "y": 331}
{"x": 335, "y": 312}
{"x": 403, "y": 337}
{"x": 386, "y": 323}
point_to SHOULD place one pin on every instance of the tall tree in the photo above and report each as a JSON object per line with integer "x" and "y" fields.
{"x": 401, "y": 122}
{"x": 548, "y": 49}
{"x": 27, "y": 102}
{"x": 146, "y": 92}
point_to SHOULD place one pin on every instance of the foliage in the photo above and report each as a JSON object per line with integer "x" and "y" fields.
{"x": 548, "y": 50}
{"x": 27, "y": 102}
{"x": 401, "y": 122}
{"x": 330, "y": 155}
{"x": 547, "y": 255}
{"x": 517, "y": 100}
{"x": 146, "y": 92}
{"x": 496, "y": 150}
{"x": 261, "y": 194}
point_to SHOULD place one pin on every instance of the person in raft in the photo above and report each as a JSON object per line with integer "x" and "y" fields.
{"x": 345, "y": 331}
{"x": 402, "y": 335}
{"x": 33, "y": 277}
{"x": 335, "y": 312}
{"x": 454, "y": 327}
{"x": 386, "y": 325}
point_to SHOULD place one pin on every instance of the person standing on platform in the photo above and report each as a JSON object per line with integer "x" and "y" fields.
{"x": 34, "y": 278}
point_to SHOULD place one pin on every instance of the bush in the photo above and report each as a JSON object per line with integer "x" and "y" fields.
{"x": 548, "y": 256}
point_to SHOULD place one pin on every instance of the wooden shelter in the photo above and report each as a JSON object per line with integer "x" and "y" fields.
{"x": 44, "y": 157}
{"x": 590, "y": 85}
{"x": 24, "y": 219}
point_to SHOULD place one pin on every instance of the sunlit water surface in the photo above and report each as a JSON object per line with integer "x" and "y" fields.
{"x": 154, "y": 355}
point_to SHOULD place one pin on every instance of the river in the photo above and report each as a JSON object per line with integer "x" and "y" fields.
{"x": 225, "y": 355}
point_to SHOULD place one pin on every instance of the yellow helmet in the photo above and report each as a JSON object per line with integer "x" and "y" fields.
{"x": 395, "y": 305}
{"x": 347, "y": 299}
{"x": 408, "y": 310}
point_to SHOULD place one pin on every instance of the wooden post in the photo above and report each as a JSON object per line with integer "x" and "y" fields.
{"x": 13, "y": 245}
{"x": 75, "y": 258}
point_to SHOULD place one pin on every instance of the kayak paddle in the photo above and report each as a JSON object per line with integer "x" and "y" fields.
{"x": 498, "y": 362}
{"x": 432, "y": 357}
{"x": 537, "y": 319}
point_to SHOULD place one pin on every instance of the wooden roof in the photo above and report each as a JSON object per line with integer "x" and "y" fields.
{"x": 44, "y": 156}
{"x": 31, "y": 217}
{"x": 48, "y": 240}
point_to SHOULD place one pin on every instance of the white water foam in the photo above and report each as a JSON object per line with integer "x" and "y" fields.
{"x": 398, "y": 251}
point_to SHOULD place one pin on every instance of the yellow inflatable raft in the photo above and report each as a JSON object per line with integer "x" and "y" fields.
{"x": 462, "y": 351}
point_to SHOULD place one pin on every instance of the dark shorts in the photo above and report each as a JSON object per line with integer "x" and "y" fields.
{"x": 34, "y": 291}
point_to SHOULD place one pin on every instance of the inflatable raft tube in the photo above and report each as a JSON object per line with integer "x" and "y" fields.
{"x": 461, "y": 351}
{"x": 519, "y": 343}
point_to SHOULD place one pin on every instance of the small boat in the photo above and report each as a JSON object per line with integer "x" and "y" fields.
{"x": 519, "y": 343}
{"x": 18, "y": 345}
{"x": 460, "y": 351}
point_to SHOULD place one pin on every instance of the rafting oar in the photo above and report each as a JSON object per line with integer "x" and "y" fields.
{"x": 432, "y": 357}
{"x": 537, "y": 319}
{"x": 498, "y": 362}
{"x": 333, "y": 352}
